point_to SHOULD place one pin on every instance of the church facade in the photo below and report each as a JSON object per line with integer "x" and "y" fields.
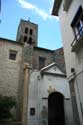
{"x": 49, "y": 80}
{"x": 46, "y": 75}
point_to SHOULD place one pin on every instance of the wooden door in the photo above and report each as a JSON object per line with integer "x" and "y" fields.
{"x": 56, "y": 109}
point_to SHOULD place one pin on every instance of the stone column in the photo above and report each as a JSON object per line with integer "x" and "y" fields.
{"x": 25, "y": 93}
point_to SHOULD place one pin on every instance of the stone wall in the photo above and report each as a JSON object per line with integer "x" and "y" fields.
{"x": 31, "y": 55}
{"x": 59, "y": 58}
{"x": 21, "y": 31}
{"x": 9, "y": 69}
{"x": 40, "y": 52}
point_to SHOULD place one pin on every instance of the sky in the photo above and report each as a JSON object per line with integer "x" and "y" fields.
{"x": 37, "y": 11}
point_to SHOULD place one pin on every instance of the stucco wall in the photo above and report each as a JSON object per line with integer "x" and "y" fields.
{"x": 79, "y": 95}
{"x": 38, "y": 95}
{"x": 67, "y": 33}
{"x": 59, "y": 83}
{"x": 72, "y": 59}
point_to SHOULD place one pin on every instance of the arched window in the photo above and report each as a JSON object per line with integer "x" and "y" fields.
{"x": 25, "y": 38}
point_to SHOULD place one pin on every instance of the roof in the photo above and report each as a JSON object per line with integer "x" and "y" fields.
{"x": 43, "y": 49}
{"x": 59, "y": 58}
{"x": 59, "y": 49}
{"x": 28, "y": 21}
{"x": 46, "y": 67}
{"x": 12, "y": 41}
{"x": 56, "y": 7}
{"x": 43, "y": 70}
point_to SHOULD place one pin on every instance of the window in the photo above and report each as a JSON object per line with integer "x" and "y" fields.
{"x": 31, "y": 31}
{"x": 25, "y": 38}
{"x": 77, "y": 23}
{"x": 12, "y": 54}
{"x": 41, "y": 62}
{"x": 26, "y": 30}
{"x": 77, "y": 26}
{"x": 30, "y": 40}
{"x": 32, "y": 111}
{"x": 82, "y": 19}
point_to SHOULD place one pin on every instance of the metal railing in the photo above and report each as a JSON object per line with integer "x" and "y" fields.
{"x": 77, "y": 36}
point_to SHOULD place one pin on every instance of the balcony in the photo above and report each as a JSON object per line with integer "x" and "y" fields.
{"x": 78, "y": 41}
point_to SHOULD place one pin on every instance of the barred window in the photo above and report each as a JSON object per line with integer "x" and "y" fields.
{"x": 12, "y": 54}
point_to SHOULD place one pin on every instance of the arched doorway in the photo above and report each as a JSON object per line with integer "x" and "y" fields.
{"x": 56, "y": 109}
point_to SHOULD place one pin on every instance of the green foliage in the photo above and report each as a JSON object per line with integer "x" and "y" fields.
{"x": 6, "y": 104}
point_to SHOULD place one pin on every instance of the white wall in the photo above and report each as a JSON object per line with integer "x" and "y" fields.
{"x": 67, "y": 33}
{"x": 72, "y": 59}
{"x": 59, "y": 83}
{"x": 38, "y": 94}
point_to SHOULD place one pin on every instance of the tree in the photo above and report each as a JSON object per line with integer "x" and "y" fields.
{"x": 6, "y": 104}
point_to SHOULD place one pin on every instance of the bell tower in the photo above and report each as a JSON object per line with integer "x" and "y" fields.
{"x": 27, "y": 32}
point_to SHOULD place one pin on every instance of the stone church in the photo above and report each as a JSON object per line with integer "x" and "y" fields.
{"x": 47, "y": 85}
